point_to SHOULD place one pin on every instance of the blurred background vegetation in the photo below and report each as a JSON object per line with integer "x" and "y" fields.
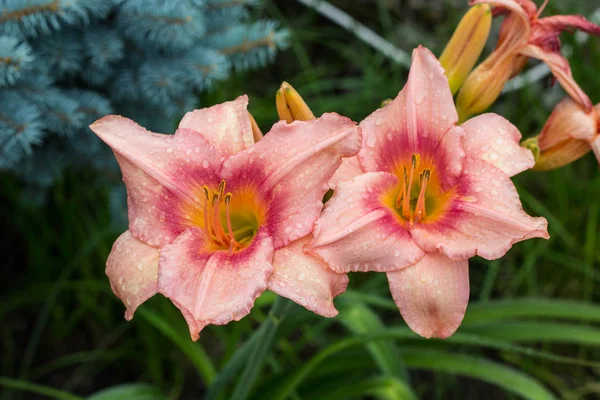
{"x": 532, "y": 329}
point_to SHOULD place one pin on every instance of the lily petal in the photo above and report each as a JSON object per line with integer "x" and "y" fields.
{"x": 227, "y": 126}
{"x": 432, "y": 294}
{"x": 546, "y": 30}
{"x": 595, "y": 144}
{"x": 449, "y": 157}
{"x": 523, "y": 8}
{"x": 416, "y": 119}
{"x": 163, "y": 175}
{"x": 296, "y": 161}
{"x": 356, "y": 232}
{"x": 349, "y": 168}
{"x": 568, "y": 120}
{"x": 306, "y": 279}
{"x": 132, "y": 268}
{"x": 213, "y": 287}
{"x": 485, "y": 218}
{"x": 494, "y": 139}
{"x": 561, "y": 70}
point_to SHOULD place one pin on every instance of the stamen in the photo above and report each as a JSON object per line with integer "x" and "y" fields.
{"x": 420, "y": 207}
{"x": 205, "y": 188}
{"x": 406, "y": 201}
{"x": 219, "y": 233}
{"x": 221, "y": 188}
{"x": 232, "y": 241}
{"x": 401, "y": 194}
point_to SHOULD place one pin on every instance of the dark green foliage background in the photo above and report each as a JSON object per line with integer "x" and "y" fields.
{"x": 533, "y": 320}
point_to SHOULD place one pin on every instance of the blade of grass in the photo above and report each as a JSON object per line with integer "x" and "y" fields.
{"x": 137, "y": 391}
{"x": 359, "y": 319}
{"x": 18, "y": 384}
{"x": 489, "y": 281}
{"x": 52, "y": 298}
{"x": 260, "y": 349}
{"x": 285, "y": 385}
{"x": 384, "y": 387}
{"x": 508, "y": 378}
{"x": 193, "y": 350}
{"x": 528, "y": 331}
{"x": 530, "y": 308}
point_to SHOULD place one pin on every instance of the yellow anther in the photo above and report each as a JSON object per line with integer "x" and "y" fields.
{"x": 206, "y": 192}
{"x": 215, "y": 199}
{"x": 228, "y": 197}
{"x": 222, "y": 188}
{"x": 416, "y": 159}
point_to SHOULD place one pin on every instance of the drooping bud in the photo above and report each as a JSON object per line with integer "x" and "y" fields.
{"x": 290, "y": 105}
{"x": 567, "y": 135}
{"x": 466, "y": 44}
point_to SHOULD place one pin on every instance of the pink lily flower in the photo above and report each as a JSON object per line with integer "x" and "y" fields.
{"x": 424, "y": 196}
{"x": 215, "y": 218}
{"x": 524, "y": 34}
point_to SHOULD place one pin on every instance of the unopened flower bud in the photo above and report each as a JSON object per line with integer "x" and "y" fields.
{"x": 569, "y": 133}
{"x": 484, "y": 85}
{"x": 290, "y": 105}
{"x": 465, "y": 46}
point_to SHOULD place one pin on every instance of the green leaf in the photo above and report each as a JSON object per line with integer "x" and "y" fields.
{"x": 260, "y": 348}
{"x": 506, "y": 377}
{"x": 546, "y": 308}
{"x": 193, "y": 351}
{"x": 529, "y": 331}
{"x": 26, "y": 386}
{"x": 384, "y": 387}
{"x": 360, "y": 319}
{"x": 288, "y": 383}
{"x": 130, "y": 391}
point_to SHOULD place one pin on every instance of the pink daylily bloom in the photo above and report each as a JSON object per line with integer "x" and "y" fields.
{"x": 215, "y": 218}
{"x": 524, "y": 32}
{"x": 429, "y": 195}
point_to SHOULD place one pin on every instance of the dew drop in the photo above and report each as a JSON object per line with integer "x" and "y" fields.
{"x": 205, "y": 164}
{"x": 301, "y": 276}
{"x": 371, "y": 141}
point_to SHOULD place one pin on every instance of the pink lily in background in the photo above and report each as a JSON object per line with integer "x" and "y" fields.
{"x": 569, "y": 134}
{"x": 423, "y": 196}
{"x": 215, "y": 218}
{"x": 523, "y": 34}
